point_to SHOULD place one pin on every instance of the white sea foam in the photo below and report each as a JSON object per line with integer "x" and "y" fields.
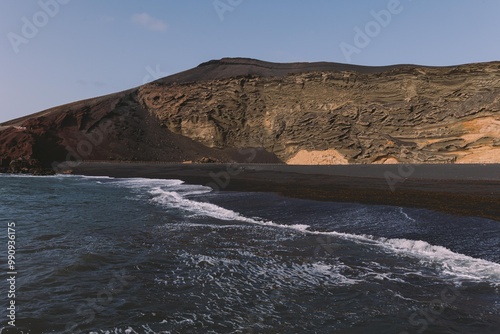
{"x": 77, "y": 177}
{"x": 452, "y": 264}
{"x": 95, "y": 177}
{"x": 169, "y": 193}
{"x": 257, "y": 266}
{"x": 406, "y": 215}
{"x": 185, "y": 226}
{"x": 173, "y": 199}
{"x": 139, "y": 183}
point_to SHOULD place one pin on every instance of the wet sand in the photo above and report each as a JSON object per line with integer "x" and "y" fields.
{"x": 471, "y": 190}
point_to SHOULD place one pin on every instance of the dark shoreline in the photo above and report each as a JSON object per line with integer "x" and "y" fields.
{"x": 470, "y": 190}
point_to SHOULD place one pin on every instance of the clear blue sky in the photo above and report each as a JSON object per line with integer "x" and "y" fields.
{"x": 86, "y": 48}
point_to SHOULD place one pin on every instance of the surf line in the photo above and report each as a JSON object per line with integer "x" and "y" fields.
{"x": 456, "y": 264}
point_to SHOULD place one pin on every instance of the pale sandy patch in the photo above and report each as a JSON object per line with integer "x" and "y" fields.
{"x": 472, "y": 137}
{"x": 484, "y": 155}
{"x": 328, "y": 157}
{"x": 386, "y": 161}
{"x": 477, "y": 129}
{"x": 486, "y": 126}
{"x": 391, "y": 161}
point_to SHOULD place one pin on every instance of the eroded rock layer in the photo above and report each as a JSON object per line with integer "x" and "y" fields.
{"x": 318, "y": 113}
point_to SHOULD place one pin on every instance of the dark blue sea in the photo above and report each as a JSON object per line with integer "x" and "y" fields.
{"x": 105, "y": 255}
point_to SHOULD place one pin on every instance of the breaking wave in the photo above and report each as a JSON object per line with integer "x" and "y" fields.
{"x": 174, "y": 194}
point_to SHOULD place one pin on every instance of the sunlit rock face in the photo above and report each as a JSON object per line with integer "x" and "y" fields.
{"x": 301, "y": 113}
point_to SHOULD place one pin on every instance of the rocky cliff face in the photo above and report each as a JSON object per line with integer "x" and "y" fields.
{"x": 296, "y": 113}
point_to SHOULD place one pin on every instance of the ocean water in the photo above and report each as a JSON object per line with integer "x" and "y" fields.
{"x": 105, "y": 255}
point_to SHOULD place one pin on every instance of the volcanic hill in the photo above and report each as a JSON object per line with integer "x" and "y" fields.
{"x": 297, "y": 113}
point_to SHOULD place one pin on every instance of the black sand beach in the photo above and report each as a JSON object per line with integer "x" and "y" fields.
{"x": 470, "y": 190}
